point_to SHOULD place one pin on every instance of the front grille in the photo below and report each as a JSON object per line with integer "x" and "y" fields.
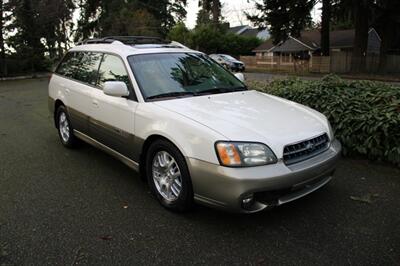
{"x": 300, "y": 151}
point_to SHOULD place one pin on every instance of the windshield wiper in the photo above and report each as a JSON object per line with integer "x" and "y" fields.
{"x": 171, "y": 94}
{"x": 221, "y": 90}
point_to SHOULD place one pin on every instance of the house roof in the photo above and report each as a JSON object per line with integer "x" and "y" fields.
{"x": 293, "y": 45}
{"x": 311, "y": 40}
{"x": 250, "y": 32}
{"x": 338, "y": 38}
{"x": 265, "y": 46}
{"x": 237, "y": 29}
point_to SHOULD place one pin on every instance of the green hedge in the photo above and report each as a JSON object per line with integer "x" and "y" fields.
{"x": 365, "y": 115}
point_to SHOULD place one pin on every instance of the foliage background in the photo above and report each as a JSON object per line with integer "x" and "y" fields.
{"x": 214, "y": 39}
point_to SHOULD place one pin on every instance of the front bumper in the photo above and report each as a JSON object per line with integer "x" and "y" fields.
{"x": 225, "y": 187}
{"x": 237, "y": 68}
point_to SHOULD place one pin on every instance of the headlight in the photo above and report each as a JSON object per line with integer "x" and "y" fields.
{"x": 331, "y": 134}
{"x": 240, "y": 154}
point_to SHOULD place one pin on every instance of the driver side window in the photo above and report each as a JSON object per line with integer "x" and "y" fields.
{"x": 113, "y": 69}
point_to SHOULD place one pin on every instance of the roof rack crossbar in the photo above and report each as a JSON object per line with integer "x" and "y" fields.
{"x": 129, "y": 40}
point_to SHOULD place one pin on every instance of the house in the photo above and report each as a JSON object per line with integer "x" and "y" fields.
{"x": 309, "y": 43}
{"x": 265, "y": 49}
{"x": 246, "y": 30}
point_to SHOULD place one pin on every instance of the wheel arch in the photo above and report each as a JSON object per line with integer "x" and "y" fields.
{"x": 146, "y": 144}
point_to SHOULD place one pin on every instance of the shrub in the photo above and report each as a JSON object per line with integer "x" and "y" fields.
{"x": 364, "y": 115}
{"x": 210, "y": 39}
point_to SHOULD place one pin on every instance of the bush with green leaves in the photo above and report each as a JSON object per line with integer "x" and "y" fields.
{"x": 364, "y": 115}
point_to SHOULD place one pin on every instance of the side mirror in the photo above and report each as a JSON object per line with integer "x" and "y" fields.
{"x": 240, "y": 77}
{"x": 116, "y": 89}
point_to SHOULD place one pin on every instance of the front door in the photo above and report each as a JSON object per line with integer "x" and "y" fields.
{"x": 112, "y": 118}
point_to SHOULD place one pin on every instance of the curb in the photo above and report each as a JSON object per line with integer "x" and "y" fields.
{"x": 33, "y": 76}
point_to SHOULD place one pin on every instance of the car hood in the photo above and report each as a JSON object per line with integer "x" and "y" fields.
{"x": 252, "y": 116}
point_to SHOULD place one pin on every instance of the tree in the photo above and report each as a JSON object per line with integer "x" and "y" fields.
{"x": 210, "y": 39}
{"x": 55, "y": 17}
{"x": 27, "y": 39}
{"x": 387, "y": 22}
{"x": 361, "y": 14}
{"x": 342, "y": 15}
{"x": 325, "y": 27}
{"x": 90, "y": 10}
{"x": 210, "y": 12}
{"x": 180, "y": 33}
{"x": 40, "y": 32}
{"x": 283, "y": 17}
{"x": 133, "y": 17}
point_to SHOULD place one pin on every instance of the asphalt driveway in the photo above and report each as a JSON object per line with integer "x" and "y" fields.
{"x": 67, "y": 207}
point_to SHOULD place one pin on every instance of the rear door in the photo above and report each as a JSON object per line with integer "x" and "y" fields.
{"x": 77, "y": 78}
{"x": 112, "y": 118}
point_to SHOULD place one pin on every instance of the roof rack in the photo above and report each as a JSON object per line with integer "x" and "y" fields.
{"x": 128, "y": 40}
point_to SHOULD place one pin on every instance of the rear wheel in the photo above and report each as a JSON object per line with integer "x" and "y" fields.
{"x": 168, "y": 176}
{"x": 65, "y": 130}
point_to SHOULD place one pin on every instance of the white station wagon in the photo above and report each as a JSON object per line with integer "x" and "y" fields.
{"x": 193, "y": 129}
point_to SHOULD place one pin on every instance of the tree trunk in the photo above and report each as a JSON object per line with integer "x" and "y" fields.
{"x": 215, "y": 11}
{"x": 387, "y": 38}
{"x": 358, "y": 60}
{"x": 325, "y": 27}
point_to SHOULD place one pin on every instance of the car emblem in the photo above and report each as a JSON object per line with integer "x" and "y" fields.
{"x": 310, "y": 146}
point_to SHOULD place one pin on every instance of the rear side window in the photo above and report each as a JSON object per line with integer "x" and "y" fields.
{"x": 113, "y": 69}
{"x": 69, "y": 65}
{"x": 88, "y": 68}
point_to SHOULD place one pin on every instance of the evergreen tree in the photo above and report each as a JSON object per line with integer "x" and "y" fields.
{"x": 283, "y": 17}
{"x": 41, "y": 30}
{"x": 361, "y": 14}
{"x": 209, "y": 12}
{"x": 129, "y": 17}
{"x": 325, "y": 27}
{"x": 28, "y": 33}
{"x": 387, "y": 22}
{"x": 342, "y": 15}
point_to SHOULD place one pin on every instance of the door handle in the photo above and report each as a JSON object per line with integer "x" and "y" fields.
{"x": 67, "y": 91}
{"x": 95, "y": 103}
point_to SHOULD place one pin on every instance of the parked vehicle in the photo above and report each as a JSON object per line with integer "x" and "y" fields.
{"x": 192, "y": 129}
{"x": 229, "y": 62}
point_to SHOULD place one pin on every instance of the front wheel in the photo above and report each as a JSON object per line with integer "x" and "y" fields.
{"x": 168, "y": 176}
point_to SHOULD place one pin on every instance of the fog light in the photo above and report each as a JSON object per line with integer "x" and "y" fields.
{"x": 247, "y": 202}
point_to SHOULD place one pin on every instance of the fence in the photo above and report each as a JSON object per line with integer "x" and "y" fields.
{"x": 337, "y": 62}
{"x": 276, "y": 63}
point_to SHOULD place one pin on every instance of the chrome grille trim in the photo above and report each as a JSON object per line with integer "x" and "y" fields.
{"x": 303, "y": 150}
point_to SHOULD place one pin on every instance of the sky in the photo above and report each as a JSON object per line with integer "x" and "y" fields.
{"x": 233, "y": 12}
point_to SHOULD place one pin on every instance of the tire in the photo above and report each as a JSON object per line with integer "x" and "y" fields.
{"x": 174, "y": 191}
{"x": 65, "y": 129}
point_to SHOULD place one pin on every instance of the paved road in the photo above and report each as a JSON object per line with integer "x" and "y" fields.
{"x": 66, "y": 207}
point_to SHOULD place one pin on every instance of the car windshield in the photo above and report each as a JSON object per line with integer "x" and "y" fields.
{"x": 174, "y": 75}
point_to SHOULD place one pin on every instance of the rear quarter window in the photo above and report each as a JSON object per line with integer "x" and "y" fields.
{"x": 69, "y": 65}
